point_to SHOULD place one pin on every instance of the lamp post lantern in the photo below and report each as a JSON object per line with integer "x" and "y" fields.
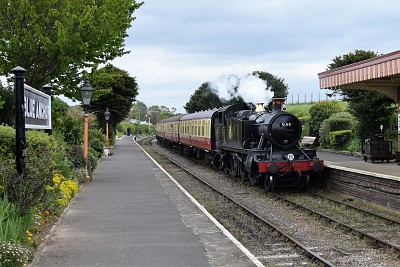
{"x": 86, "y": 97}
{"x": 107, "y": 117}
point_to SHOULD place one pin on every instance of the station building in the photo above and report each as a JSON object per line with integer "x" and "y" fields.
{"x": 380, "y": 73}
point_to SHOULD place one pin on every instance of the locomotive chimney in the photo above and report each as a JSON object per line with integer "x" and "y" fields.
{"x": 260, "y": 108}
{"x": 277, "y": 104}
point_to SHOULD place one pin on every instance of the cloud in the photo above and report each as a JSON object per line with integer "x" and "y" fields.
{"x": 178, "y": 44}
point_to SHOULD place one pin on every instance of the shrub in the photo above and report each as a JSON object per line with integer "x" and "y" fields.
{"x": 27, "y": 190}
{"x": 65, "y": 189}
{"x": 338, "y": 139}
{"x": 97, "y": 141}
{"x": 7, "y": 144}
{"x": 354, "y": 145}
{"x": 74, "y": 154}
{"x": 305, "y": 122}
{"x": 71, "y": 127}
{"x": 92, "y": 161}
{"x": 334, "y": 123}
{"x": 13, "y": 254}
{"x": 79, "y": 175}
{"x": 136, "y": 129}
{"x": 320, "y": 112}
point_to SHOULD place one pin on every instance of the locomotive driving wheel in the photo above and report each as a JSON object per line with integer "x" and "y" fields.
{"x": 253, "y": 177}
{"x": 243, "y": 174}
{"x": 234, "y": 168}
{"x": 269, "y": 183}
{"x": 306, "y": 182}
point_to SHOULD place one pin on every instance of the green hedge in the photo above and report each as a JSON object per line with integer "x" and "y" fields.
{"x": 97, "y": 141}
{"x": 320, "y": 112}
{"x": 305, "y": 122}
{"x": 331, "y": 125}
{"x": 28, "y": 189}
{"x": 7, "y": 144}
{"x": 338, "y": 139}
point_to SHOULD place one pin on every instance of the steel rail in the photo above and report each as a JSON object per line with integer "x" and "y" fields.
{"x": 389, "y": 220}
{"x": 377, "y": 241}
{"x": 303, "y": 249}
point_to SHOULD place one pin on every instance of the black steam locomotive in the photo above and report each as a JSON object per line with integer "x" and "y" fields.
{"x": 258, "y": 145}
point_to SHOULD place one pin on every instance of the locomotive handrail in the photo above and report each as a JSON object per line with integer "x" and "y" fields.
{"x": 303, "y": 152}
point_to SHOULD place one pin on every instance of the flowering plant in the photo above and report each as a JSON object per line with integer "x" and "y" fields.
{"x": 67, "y": 189}
{"x": 13, "y": 254}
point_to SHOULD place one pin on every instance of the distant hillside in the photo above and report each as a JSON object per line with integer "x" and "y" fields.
{"x": 302, "y": 110}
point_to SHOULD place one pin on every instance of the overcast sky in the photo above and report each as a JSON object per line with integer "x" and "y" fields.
{"x": 176, "y": 45}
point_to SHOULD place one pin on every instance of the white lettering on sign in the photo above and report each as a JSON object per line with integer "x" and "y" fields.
{"x": 36, "y": 109}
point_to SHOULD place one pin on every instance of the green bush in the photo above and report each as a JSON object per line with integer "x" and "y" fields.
{"x": 334, "y": 123}
{"x": 71, "y": 127}
{"x": 27, "y": 190}
{"x": 64, "y": 189}
{"x": 305, "y": 122}
{"x": 92, "y": 161}
{"x": 136, "y": 129}
{"x": 320, "y": 112}
{"x": 338, "y": 139}
{"x": 79, "y": 175}
{"x": 97, "y": 141}
{"x": 7, "y": 144}
{"x": 354, "y": 145}
{"x": 74, "y": 153}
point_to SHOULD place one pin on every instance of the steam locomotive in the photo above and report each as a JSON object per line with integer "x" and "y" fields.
{"x": 254, "y": 143}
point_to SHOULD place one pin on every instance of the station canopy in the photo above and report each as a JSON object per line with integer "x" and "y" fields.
{"x": 380, "y": 73}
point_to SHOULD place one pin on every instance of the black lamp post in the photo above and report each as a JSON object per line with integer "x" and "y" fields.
{"x": 47, "y": 90}
{"x": 20, "y": 137}
{"x": 107, "y": 117}
{"x": 86, "y": 96}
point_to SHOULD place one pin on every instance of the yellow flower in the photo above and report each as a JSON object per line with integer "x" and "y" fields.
{"x": 29, "y": 238}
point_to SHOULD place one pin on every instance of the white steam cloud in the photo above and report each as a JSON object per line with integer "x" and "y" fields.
{"x": 250, "y": 87}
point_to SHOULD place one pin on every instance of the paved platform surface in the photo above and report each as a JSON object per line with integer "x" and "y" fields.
{"x": 133, "y": 214}
{"x": 386, "y": 170}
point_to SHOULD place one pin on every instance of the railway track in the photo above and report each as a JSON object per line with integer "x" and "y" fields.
{"x": 279, "y": 250}
{"x": 300, "y": 249}
{"x": 379, "y": 230}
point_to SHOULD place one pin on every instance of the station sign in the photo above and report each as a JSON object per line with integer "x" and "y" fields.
{"x": 37, "y": 109}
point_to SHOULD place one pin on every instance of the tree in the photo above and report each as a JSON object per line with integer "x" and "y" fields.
{"x": 7, "y": 111}
{"x": 56, "y": 40}
{"x": 204, "y": 98}
{"x": 351, "y": 57}
{"x": 138, "y": 111}
{"x": 119, "y": 91}
{"x": 371, "y": 108}
{"x": 274, "y": 83}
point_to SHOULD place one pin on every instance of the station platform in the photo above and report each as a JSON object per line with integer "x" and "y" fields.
{"x": 386, "y": 170}
{"x": 132, "y": 213}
